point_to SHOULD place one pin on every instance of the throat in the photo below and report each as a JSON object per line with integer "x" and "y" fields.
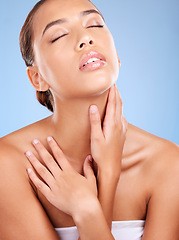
{"x": 70, "y": 127}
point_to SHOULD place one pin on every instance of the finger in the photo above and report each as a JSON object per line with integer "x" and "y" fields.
{"x": 40, "y": 169}
{"x": 46, "y": 157}
{"x": 41, "y": 186}
{"x": 119, "y": 106}
{"x": 110, "y": 110}
{"x": 88, "y": 169}
{"x": 95, "y": 121}
{"x": 58, "y": 154}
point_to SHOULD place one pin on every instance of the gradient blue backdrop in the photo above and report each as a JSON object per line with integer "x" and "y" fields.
{"x": 146, "y": 34}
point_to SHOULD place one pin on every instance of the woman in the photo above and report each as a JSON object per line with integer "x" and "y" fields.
{"x": 85, "y": 166}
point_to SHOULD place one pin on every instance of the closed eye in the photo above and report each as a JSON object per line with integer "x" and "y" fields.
{"x": 58, "y": 38}
{"x": 93, "y": 26}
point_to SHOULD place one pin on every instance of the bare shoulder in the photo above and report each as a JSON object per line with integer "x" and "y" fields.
{"x": 21, "y": 140}
{"x": 154, "y": 148}
{"x": 168, "y": 155}
{"x": 158, "y": 158}
{"x": 10, "y": 157}
{"x": 160, "y": 174}
{"x": 162, "y": 220}
{"x": 12, "y": 171}
{"x": 18, "y": 202}
{"x": 12, "y": 151}
{"x": 163, "y": 159}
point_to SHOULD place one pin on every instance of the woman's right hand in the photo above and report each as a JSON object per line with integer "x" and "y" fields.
{"x": 63, "y": 187}
{"x": 70, "y": 192}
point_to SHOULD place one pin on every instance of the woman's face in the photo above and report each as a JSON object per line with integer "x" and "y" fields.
{"x": 68, "y": 36}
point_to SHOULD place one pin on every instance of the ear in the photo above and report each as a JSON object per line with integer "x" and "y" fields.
{"x": 119, "y": 61}
{"x": 36, "y": 79}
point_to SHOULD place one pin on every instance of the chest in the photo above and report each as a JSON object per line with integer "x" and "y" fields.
{"x": 129, "y": 204}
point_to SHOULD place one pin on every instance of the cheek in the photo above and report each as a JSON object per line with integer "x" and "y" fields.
{"x": 58, "y": 72}
{"x": 111, "y": 52}
{"x": 53, "y": 65}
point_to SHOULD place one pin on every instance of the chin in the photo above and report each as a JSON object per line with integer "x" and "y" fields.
{"x": 91, "y": 84}
{"x": 103, "y": 80}
{"x": 98, "y": 86}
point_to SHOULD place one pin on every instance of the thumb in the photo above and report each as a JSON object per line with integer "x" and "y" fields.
{"x": 88, "y": 169}
{"x": 95, "y": 121}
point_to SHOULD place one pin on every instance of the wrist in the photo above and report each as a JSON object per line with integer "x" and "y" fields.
{"x": 86, "y": 211}
{"x": 107, "y": 185}
{"x": 91, "y": 223}
{"x": 108, "y": 176}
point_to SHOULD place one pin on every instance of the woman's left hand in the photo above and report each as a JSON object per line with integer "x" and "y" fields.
{"x": 63, "y": 187}
{"x": 107, "y": 142}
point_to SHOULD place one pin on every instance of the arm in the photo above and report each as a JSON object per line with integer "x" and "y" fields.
{"x": 162, "y": 220}
{"x": 106, "y": 149}
{"x": 21, "y": 214}
{"x": 78, "y": 194}
{"x": 92, "y": 224}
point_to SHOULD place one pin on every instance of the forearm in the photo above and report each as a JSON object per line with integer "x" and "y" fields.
{"x": 92, "y": 224}
{"x": 101, "y": 220}
{"x": 106, "y": 194}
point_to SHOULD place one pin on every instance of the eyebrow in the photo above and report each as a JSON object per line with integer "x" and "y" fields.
{"x": 63, "y": 20}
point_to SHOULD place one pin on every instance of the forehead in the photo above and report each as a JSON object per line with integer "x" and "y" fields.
{"x": 56, "y": 9}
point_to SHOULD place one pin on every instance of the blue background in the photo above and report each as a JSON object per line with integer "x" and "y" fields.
{"x": 146, "y": 34}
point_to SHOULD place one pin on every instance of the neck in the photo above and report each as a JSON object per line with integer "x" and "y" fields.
{"x": 70, "y": 127}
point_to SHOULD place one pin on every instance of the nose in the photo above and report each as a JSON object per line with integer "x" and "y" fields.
{"x": 85, "y": 41}
{"x": 83, "y": 44}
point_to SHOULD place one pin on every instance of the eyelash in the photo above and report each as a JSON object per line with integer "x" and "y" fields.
{"x": 99, "y": 26}
{"x": 93, "y": 26}
{"x": 58, "y": 38}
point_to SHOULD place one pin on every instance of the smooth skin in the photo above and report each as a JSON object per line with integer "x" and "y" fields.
{"x": 68, "y": 191}
{"x": 148, "y": 168}
{"x": 104, "y": 146}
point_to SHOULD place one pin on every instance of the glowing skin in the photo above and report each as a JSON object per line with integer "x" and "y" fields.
{"x": 58, "y": 62}
{"x": 149, "y": 166}
{"x": 57, "y": 67}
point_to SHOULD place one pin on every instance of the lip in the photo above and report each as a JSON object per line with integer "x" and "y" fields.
{"x": 88, "y": 55}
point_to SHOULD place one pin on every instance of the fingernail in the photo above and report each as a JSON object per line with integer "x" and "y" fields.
{"x": 28, "y": 153}
{"x": 49, "y": 139}
{"x": 35, "y": 141}
{"x": 29, "y": 170}
{"x": 93, "y": 109}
